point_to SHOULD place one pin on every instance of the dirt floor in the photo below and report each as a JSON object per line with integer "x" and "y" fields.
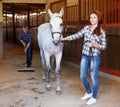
{"x": 26, "y": 89}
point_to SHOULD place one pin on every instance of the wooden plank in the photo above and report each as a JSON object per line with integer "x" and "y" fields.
{"x": 24, "y": 1}
{"x": 110, "y": 71}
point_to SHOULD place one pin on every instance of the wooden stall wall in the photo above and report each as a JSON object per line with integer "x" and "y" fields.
{"x": 112, "y": 25}
{"x": 77, "y": 17}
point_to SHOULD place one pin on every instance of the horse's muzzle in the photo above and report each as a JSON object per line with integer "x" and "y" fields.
{"x": 56, "y": 43}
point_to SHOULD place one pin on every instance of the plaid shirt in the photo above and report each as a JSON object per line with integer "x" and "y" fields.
{"x": 86, "y": 33}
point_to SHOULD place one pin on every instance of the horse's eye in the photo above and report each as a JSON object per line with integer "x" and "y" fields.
{"x": 61, "y": 24}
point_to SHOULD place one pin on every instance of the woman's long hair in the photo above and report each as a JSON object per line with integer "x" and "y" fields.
{"x": 97, "y": 29}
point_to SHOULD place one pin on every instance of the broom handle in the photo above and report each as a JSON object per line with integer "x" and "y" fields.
{"x": 25, "y": 51}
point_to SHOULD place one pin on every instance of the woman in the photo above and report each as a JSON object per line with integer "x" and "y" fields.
{"x": 94, "y": 41}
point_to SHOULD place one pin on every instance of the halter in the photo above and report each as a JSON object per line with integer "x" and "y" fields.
{"x": 55, "y": 33}
{"x": 53, "y": 38}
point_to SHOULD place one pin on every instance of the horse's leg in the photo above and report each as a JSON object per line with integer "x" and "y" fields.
{"x": 58, "y": 61}
{"x": 48, "y": 69}
{"x": 43, "y": 63}
{"x": 52, "y": 68}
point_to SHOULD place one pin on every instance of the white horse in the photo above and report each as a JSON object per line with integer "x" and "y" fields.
{"x": 49, "y": 35}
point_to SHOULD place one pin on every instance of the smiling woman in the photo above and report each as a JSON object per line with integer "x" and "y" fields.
{"x": 90, "y": 59}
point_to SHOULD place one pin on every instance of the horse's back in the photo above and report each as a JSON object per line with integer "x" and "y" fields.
{"x": 43, "y": 32}
{"x": 43, "y": 28}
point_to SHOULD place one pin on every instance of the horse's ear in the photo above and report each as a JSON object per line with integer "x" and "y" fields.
{"x": 50, "y": 13}
{"x": 61, "y": 11}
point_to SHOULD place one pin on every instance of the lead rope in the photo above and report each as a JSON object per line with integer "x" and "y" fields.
{"x": 81, "y": 44}
{"x": 92, "y": 60}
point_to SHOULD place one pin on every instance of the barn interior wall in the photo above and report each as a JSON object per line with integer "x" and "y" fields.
{"x": 48, "y": 7}
{"x": 112, "y": 58}
{"x": 69, "y": 3}
{"x": 72, "y": 2}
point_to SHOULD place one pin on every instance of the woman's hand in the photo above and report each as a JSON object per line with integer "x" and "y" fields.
{"x": 63, "y": 39}
{"x": 94, "y": 45}
{"x": 89, "y": 44}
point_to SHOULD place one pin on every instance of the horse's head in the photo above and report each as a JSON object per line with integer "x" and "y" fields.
{"x": 56, "y": 25}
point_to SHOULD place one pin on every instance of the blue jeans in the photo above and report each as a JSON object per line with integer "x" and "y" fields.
{"x": 29, "y": 55}
{"x": 91, "y": 63}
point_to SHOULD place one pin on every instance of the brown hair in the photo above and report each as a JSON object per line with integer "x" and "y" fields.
{"x": 97, "y": 29}
{"x": 25, "y": 26}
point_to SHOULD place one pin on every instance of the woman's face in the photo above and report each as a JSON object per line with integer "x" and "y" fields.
{"x": 93, "y": 19}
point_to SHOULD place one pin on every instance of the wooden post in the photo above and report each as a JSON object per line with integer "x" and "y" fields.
{"x": 28, "y": 17}
{"x": 1, "y": 31}
{"x": 14, "y": 30}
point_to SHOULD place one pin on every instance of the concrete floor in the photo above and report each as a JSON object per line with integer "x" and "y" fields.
{"x": 26, "y": 89}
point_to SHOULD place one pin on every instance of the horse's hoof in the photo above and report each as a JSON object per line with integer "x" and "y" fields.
{"x": 58, "y": 92}
{"x": 53, "y": 79}
{"x": 43, "y": 80}
{"x": 48, "y": 88}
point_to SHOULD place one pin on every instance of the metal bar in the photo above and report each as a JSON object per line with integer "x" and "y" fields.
{"x": 119, "y": 11}
{"x": 108, "y": 11}
{"x": 99, "y": 3}
{"x": 112, "y": 12}
{"x": 79, "y": 13}
{"x": 105, "y": 13}
{"x": 115, "y": 11}
{"x": 104, "y": 54}
{"x": 88, "y": 7}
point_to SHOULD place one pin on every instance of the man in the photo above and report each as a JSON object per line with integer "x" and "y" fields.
{"x": 26, "y": 39}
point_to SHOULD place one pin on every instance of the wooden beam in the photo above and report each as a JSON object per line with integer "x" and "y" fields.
{"x": 110, "y": 71}
{"x": 24, "y": 1}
